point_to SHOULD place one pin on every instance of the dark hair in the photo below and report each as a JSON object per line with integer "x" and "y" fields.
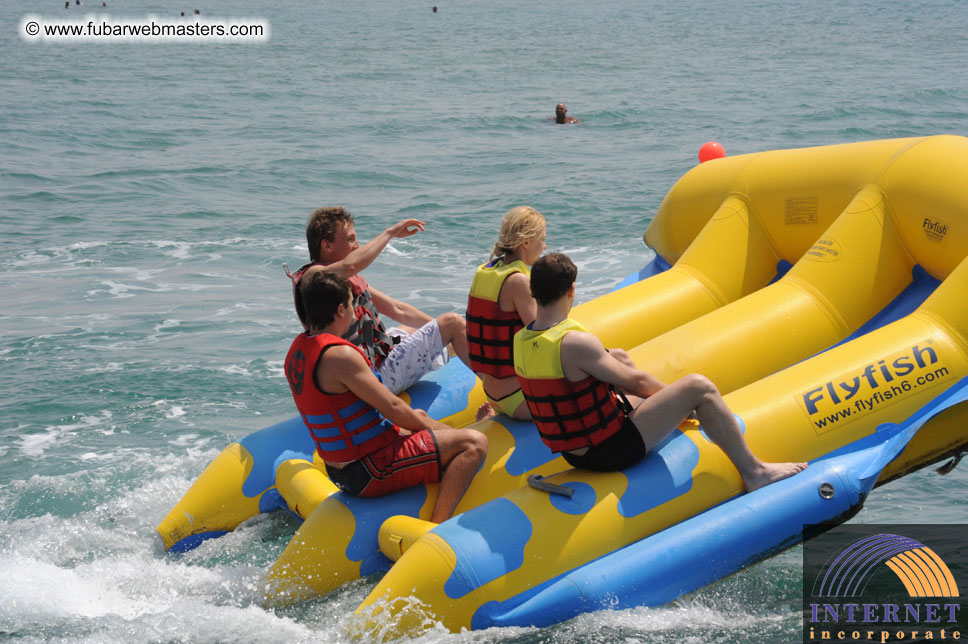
{"x": 551, "y": 277}
{"x": 322, "y": 226}
{"x": 322, "y": 292}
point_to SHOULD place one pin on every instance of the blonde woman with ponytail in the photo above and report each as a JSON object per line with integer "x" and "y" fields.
{"x": 499, "y": 305}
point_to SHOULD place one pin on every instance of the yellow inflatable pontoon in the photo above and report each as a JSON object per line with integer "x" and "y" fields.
{"x": 855, "y": 359}
{"x": 824, "y": 290}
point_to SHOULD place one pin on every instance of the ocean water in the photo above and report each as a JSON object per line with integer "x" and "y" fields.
{"x": 149, "y": 194}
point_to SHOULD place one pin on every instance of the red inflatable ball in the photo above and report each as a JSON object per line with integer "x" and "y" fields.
{"x": 711, "y": 150}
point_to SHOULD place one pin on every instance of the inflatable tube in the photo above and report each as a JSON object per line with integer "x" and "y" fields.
{"x": 865, "y": 286}
{"x": 822, "y": 287}
{"x": 735, "y": 285}
{"x": 720, "y": 541}
{"x": 248, "y": 477}
{"x": 492, "y": 556}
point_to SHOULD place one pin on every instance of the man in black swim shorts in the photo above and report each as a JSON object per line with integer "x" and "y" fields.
{"x": 576, "y": 389}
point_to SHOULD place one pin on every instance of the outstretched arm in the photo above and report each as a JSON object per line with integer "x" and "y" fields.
{"x": 346, "y": 367}
{"x": 582, "y": 354}
{"x": 397, "y": 310}
{"x": 363, "y": 256}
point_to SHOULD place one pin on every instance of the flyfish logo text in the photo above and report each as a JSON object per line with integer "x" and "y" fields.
{"x": 880, "y": 383}
{"x": 934, "y": 229}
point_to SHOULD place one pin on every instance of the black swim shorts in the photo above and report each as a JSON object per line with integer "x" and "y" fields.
{"x": 622, "y": 449}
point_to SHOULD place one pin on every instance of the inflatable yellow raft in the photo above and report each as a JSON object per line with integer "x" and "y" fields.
{"x": 855, "y": 359}
{"x": 822, "y": 289}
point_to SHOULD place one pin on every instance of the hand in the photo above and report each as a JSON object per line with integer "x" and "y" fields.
{"x": 405, "y": 228}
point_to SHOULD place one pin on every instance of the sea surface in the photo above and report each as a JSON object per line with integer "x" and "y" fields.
{"x": 150, "y": 193}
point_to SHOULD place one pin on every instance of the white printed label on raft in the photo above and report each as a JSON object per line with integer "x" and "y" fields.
{"x": 825, "y": 250}
{"x": 855, "y": 394}
{"x": 800, "y": 210}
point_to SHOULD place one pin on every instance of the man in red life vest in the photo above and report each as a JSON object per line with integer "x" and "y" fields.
{"x": 401, "y": 355}
{"x": 373, "y": 442}
{"x": 569, "y": 382}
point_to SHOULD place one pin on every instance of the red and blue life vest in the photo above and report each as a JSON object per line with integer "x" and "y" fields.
{"x": 368, "y": 331}
{"x": 343, "y": 427}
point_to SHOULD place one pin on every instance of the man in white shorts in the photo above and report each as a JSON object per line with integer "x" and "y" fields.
{"x": 400, "y": 355}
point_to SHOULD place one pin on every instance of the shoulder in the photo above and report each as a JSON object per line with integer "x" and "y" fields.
{"x": 343, "y": 356}
{"x": 580, "y": 338}
{"x": 517, "y": 280}
{"x": 581, "y": 346}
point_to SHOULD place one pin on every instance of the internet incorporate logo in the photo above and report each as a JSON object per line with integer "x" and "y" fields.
{"x": 922, "y": 572}
{"x": 882, "y": 587}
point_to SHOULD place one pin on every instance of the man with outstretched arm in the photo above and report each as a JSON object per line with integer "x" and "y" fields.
{"x": 373, "y": 442}
{"x": 400, "y": 355}
{"x": 569, "y": 382}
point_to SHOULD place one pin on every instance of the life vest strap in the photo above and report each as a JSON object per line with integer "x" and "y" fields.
{"x": 511, "y": 322}
{"x": 563, "y": 434}
{"x": 553, "y": 398}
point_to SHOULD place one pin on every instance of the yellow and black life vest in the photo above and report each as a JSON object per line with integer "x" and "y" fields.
{"x": 490, "y": 331}
{"x": 569, "y": 415}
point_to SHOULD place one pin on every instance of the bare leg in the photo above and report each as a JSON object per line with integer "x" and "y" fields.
{"x": 453, "y": 331}
{"x": 522, "y": 412}
{"x": 462, "y": 452}
{"x": 659, "y": 414}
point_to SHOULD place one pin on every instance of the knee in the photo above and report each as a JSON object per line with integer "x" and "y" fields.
{"x": 452, "y": 324}
{"x": 475, "y": 444}
{"x": 702, "y": 386}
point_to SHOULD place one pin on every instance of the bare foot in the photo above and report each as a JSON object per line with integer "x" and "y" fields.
{"x": 484, "y": 411}
{"x": 771, "y": 473}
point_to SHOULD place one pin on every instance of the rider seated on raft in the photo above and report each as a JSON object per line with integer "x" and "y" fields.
{"x": 402, "y": 354}
{"x": 373, "y": 442}
{"x": 569, "y": 381}
{"x": 499, "y": 305}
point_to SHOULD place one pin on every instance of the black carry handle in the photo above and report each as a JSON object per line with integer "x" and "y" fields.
{"x": 537, "y": 482}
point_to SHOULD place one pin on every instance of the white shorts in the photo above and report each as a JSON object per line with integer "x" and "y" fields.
{"x": 414, "y": 356}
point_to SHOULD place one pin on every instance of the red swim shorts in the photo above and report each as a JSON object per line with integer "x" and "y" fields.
{"x": 406, "y": 462}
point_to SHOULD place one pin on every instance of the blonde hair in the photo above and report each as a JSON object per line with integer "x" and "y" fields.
{"x": 519, "y": 225}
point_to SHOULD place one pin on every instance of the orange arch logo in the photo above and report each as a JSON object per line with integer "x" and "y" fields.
{"x": 919, "y": 568}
